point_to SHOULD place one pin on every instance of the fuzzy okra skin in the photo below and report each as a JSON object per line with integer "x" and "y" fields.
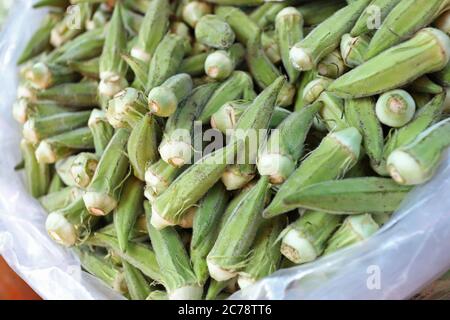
{"x": 407, "y": 17}
{"x": 230, "y": 252}
{"x": 350, "y": 196}
{"x": 137, "y": 285}
{"x": 337, "y": 153}
{"x": 128, "y": 209}
{"x": 428, "y": 51}
{"x": 56, "y": 200}
{"x": 101, "y": 130}
{"x": 153, "y": 28}
{"x": 158, "y": 177}
{"x": 417, "y": 162}
{"x": 213, "y": 31}
{"x": 326, "y": 36}
{"x": 192, "y": 184}
{"x": 305, "y": 239}
{"x": 37, "y": 174}
{"x": 102, "y": 194}
{"x": 266, "y": 256}
{"x": 179, "y": 279}
{"x": 331, "y": 115}
{"x": 142, "y": 146}
{"x": 281, "y": 152}
{"x": 82, "y": 94}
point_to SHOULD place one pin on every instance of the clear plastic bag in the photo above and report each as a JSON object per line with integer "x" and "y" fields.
{"x": 402, "y": 258}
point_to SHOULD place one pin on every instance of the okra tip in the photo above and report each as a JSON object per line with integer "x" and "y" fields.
{"x": 60, "y": 229}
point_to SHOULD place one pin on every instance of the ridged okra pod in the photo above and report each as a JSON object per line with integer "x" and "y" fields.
{"x": 192, "y": 11}
{"x": 101, "y": 130}
{"x": 140, "y": 70}
{"x": 37, "y": 174}
{"x": 193, "y": 183}
{"x": 337, "y": 153}
{"x": 425, "y": 85}
{"x": 353, "y": 230}
{"x": 153, "y": 29}
{"x": 89, "y": 68}
{"x": 417, "y": 162}
{"x": 71, "y": 25}
{"x": 24, "y": 109}
{"x": 360, "y": 113}
{"x": 373, "y": 16}
{"x": 60, "y": 146}
{"x": 331, "y": 115}
{"x": 305, "y": 239}
{"x": 163, "y": 100}
{"x": 178, "y": 278}
{"x": 221, "y": 63}
{"x": 166, "y": 60}
{"x": 265, "y": 14}
{"x": 194, "y": 65}
{"x": 316, "y": 12}
{"x": 350, "y": 196}
{"x": 62, "y": 169}
{"x": 406, "y": 18}
{"x": 278, "y": 157}
{"x": 127, "y": 108}
{"x": 45, "y": 75}
{"x": 128, "y": 210}
{"x": 326, "y": 37}
{"x": 243, "y": 27}
{"x": 428, "y": 51}
{"x": 332, "y": 65}
{"x": 206, "y": 228}
{"x": 56, "y": 200}
{"x": 113, "y": 68}
{"x": 158, "y": 177}
{"x": 103, "y": 193}
{"x": 213, "y": 31}
{"x": 353, "y": 49}
{"x": 289, "y": 31}
{"x": 232, "y": 248}
{"x": 137, "y": 285}
{"x": 142, "y": 145}
{"x": 305, "y": 79}
{"x": 176, "y": 147}
{"x": 37, "y": 129}
{"x": 313, "y": 90}
{"x": 82, "y": 94}
{"x": 266, "y": 256}
{"x": 238, "y": 85}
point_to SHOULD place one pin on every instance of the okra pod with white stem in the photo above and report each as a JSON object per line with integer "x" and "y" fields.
{"x": 37, "y": 129}
{"x": 142, "y": 145}
{"x": 314, "y": 89}
{"x": 71, "y": 25}
{"x": 158, "y": 177}
{"x": 350, "y": 196}
{"x": 37, "y": 174}
{"x": 406, "y": 18}
{"x": 221, "y": 63}
{"x": 153, "y": 29}
{"x": 82, "y": 94}
{"x": 127, "y": 108}
{"x": 305, "y": 239}
{"x": 306, "y": 54}
{"x": 83, "y": 168}
{"x": 24, "y": 109}
{"x": 331, "y": 115}
{"x": 176, "y": 147}
{"x": 332, "y": 65}
{"x": 59, "y": 199}
{"x": 103, "y": 193}
{"x": 395, "y": 108}
{"x": 213, "y": 31}
{"x": 137, "y": 285}
{"x": 417, "y": 162}
{"x": 128, "y": 209}
{"x": 43, "y": 75}
{"x": 194, "y": 10}
{"x": 353, "y": 49}
{"x": 179, "y": 279}
{"x": 60, "y": 146}
{"x": 428, "y": 51}
{"x": 353, "y": 230}
{"x": 279, "y": 156}
{"x": 243, "y": 27}
{"x": 232, "y": 248}
{"x": 193, "y": 183}
{"x": 101, "y": 130}
{"x": 337, "y": 153}
{"x": 164, "y": 99}
{"x": 265, "y": 257}
{"x": 89, "y": 68}
{"x": 113, "y": 68}
{"x": 194, "y": 65}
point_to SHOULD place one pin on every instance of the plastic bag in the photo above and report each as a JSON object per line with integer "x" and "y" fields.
{"x": 403, "y": 257}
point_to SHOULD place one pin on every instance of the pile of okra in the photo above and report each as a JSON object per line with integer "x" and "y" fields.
{"x": 186, "y": 149}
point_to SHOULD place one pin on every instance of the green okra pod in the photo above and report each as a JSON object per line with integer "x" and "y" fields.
{"x": 51, "y": 3}
{"x": 337, "y": 153}
{"x": 132, "y": 21}
{"x": 71, "y": 25}
{"x": 331, "y": 115}
{"x": 179, "y": 279}
{"x": 417, "y": 162}
{"x": 425, "y": 85}
{"x": 153, "y": 29}
{"x": 24, "y": 109}
{"x": 243, "y": 27}
{"x": 37, "y": 129}
{"x": 316, "y": 12}
{"x": 83, "y": 168}
{"x": 213, "y": 31}
{"x": 99, "y": 19}
{"x": 406, "y": 18}
{"x": 89, "y": 68}
{"x": 56, "y": 200}
{"x": 43, "y": 75}
{"x": 127, "y": 108}
{"x": 63, "y": 170}
{"x": 62, "y": 145}
{"x": 137, "y": 285}
{"x": 428, "y": 51}
{"x": 305, "y": 239}
{"x": 158, "y": 177}
{"x": 140, "y": 70}
{"x": 326, "y": 37}
{"x": 37, "y": 174}
{"x": 231, "y": 250}
{"x": 103, "y": 193}
{"x": 313, "y": 90}
{"x": 332, "y": 65}
{"x": 350, "y": 196}
{"x": 101, "y": 130}
{"x": 56, "y": 184}
{"x": 305, "y": 79}
{"x": 353, "y": 49}
{"x": 221, "y": 63}
{"x": 265, "y": 14}
{"x": 82, "y": 94}
{"x": 353, "y": 230}
{"x": 193, "y": 11}
{"x": 194, "y": 65}
{"x": 128, "y": 209}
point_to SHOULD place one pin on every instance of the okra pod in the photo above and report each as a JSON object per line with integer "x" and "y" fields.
{"x": 443, "y": 22}
{"x": 63, "y": 170}
{"x": 337, "y": 153}
{"x": 193, "y": 11}
{"x": 82, "y": 94}
{"x": 89, "y": 68}
{"x": 305, "y": 239}
{"x": 332, "y": 66}
{"x": 265, "y": 14}
{"x": 221, "y": 63}
{"x": 43, "y": 76}
{"x": 305, "y": 79}
{"x": 194, "y": 65}
{"x": 56, "y": 184}
{"x": 243, "y": 27}
{"x": 331, "y": 115}
{"x": 395, "y": 108}
{"x": 71, "y": 25}
{"x": 428, "y": 51}
{"x": 101, "y": 130}
{"x": 83, "y": 168}
{"x": 37, "y": 174}
{"x": 51, "y": 3}
{"x": 425, "y": 85}
{"x": 350, "y": 196}
{"x": 24, "y": 109}
{"x": 314, "y": 89}
{"x": 213, "y": 31}
{"x": 103, "y": 193}
{"x": 127, "y": 108}
{"x": 353, "y": 49}
{"x": 316, "y": 12}
{"x": 137, "y": 285}
{"x": 158, "y": 177}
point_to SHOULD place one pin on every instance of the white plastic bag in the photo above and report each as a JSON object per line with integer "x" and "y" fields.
{"x": 397, "y": 262}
